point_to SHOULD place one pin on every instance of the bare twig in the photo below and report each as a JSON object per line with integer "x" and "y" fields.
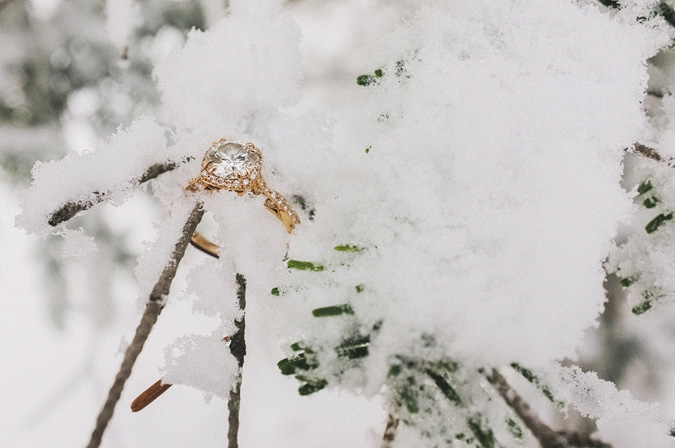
{"x": 149, "y": 395}
{"x": 238, "y": 350}
{"x": 70, "y": 209}
{"x": 647, "y": 151}
{"x": 153, "y": 308}
{"x": 547, "y": 437}
{"x": 389, "y": 431}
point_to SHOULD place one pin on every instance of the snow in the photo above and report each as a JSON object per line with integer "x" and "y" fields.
{"x": 622, "y": 420}
{"x": 113, "y": 169}
{"x": 479, "y": 176}
{"x": 122, "y": 17}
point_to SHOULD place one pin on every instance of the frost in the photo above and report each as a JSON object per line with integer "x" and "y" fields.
{"x": 490, "y": 194}
{"x": 77, "y": 243}
{"x": 458, "y": 196}
{"x": 160, "y": 252}
{"x": 231, "y": 78}
{"x": 622, "y": 420}
{"x": 203, "y": 362}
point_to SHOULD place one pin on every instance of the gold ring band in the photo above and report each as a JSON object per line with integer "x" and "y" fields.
{"x": 236, "y": 166}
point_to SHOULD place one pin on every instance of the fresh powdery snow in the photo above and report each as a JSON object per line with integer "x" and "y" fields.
{"x": 475, "y": 182}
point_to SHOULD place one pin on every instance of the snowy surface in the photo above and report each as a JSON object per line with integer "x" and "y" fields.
{"x": 478, "y": 176}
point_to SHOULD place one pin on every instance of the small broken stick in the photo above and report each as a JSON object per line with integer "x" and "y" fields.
{"x": 149, "y": 395}
{"x": 153, "y": 392}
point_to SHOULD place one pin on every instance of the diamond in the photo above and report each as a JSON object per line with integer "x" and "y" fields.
{"x": 236, "y": 183}
{"x": 245, "y": 181}
{"x": 230, "y": 159}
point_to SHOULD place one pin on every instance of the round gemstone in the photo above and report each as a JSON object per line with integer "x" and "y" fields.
{"x": 230, "y": 159}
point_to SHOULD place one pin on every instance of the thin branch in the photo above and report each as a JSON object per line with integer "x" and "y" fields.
{"x": 70, "y": 209}
{"x": 238, "y": 350}
{"x": 389, "y": 431}
{"x": 547, "y": 437}
{"x": 647, "y": 151}
{"x": 153, "y": 308}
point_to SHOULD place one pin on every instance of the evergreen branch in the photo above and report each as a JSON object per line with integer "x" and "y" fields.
{"x": 667, "y": 12}
{"x": 238, "y": 350}
{"x": 153, "y": 308}
{"x": 663, "y": 9}
{"x": 547, "y": 437}
{"x": 70, "y": 209}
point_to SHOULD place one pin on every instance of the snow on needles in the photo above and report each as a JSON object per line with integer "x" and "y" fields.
{"x": 489, "y": 193}
{"x": 476, "y": 176}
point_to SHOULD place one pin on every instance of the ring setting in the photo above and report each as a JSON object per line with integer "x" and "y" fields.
{"x": 236, "y": 166}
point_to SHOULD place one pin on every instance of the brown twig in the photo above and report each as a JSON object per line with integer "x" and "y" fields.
{"x": 149, "y": 395}
{"x": 70, "y": 209}
{"x": 238, "y": 350}
{"x": 547, "y": 437}
{"x": 153, "y": 308}
{"x": 389, "y": 431}
{"x": 647, "y": 151}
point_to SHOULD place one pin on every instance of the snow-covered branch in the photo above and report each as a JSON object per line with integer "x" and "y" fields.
{"x": 70, "y": 209}
{"x": 547, "y": 437}
{"x": 153, "y": 308}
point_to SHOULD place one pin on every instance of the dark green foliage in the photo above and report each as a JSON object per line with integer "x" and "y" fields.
{"x": 481, "y": 432}
{"x": 368, "y": 149}
{"x": 302, "y": 361}
{"x": 642, "y": 308}
{"x": 655, "y": 223}
{"x": 354, "y": 347}
{"x": 644, "y": 187}
{"x": 304, "y": 266}
{"x": 365, "y": 80}
{"x": 627, "y": 281}
{"x": 359, "y": 288}
{"x": 515, "y": 429}
{"x": 648, "y": 298}
{"x": 311, "y": 385}
{"x": 350, "y": 348}
{"x": 275, "y": 292}
{"x": 409, "y": 398}
{"x": 395, "y": 370}
{"x": 348, "y": 248}
{"x": 611, "y": 3}
{"x": 444, "y": 386}
{"x": 335, "y": 310}
{"x": 532, "y": 378}
{"x": 651, "y": 202}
